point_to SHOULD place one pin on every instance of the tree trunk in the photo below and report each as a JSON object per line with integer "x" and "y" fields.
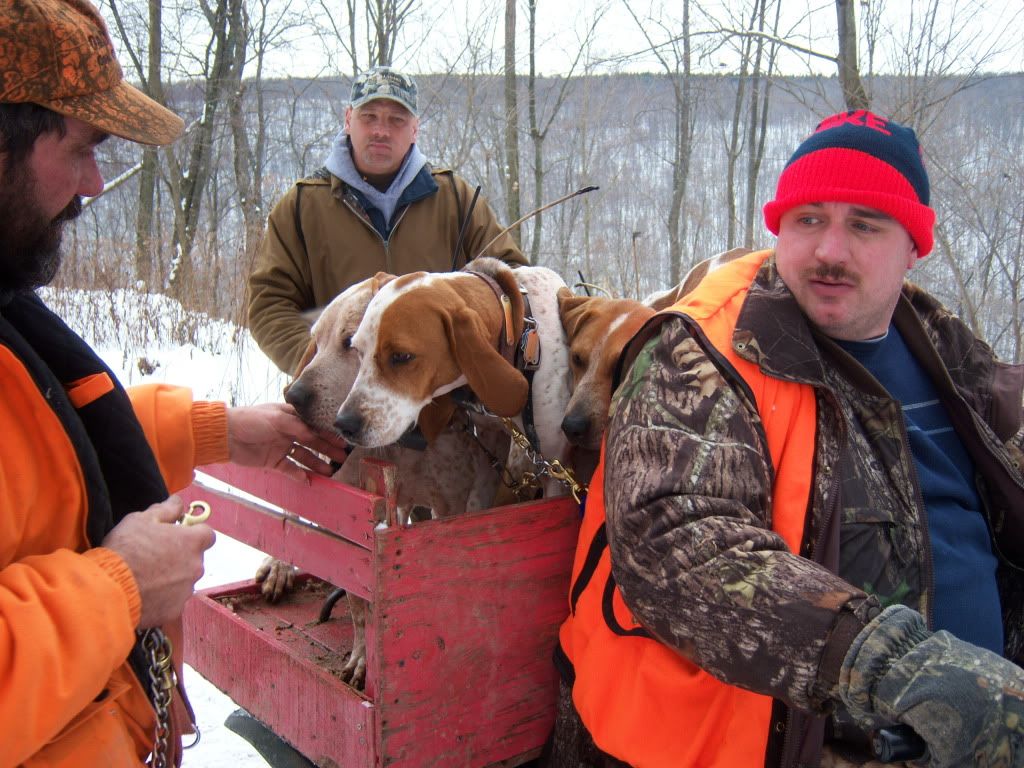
{"x": 189, "y": 185}
{"x": 758, "y": 117}
{"x": 145, "y": 253}
{"x": 537, "y": 137}
{"x": 511, "y": 121}
{"x": 383, "y": 41}
{"x": 849, "y": 68}
{"x": 248, "y": 130}
{"x": 681, "y": 161}
{"x": 736, "y": 141}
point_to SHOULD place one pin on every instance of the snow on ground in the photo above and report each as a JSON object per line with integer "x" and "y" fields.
{"x": 223, "y": 364}
{"x": 228, "y": 561}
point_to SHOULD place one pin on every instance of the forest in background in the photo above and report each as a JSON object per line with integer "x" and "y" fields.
{"x": 683, "y": 158}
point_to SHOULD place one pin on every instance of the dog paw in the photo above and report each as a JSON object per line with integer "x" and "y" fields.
{"x": 276, "y": 578}
{"x": 354, "y": 671}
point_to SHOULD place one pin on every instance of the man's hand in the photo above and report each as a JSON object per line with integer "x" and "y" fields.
{"x": 272, "y": 435}
{"x": 166, "y": 559}
{"x": 965, "y": 702}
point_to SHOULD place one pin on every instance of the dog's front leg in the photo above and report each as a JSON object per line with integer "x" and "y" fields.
{"x": 354, "y": 671}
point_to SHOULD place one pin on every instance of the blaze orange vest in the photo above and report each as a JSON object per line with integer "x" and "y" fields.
{"x": 641, "y": 701}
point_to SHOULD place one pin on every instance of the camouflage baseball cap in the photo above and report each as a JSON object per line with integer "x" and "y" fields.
{"x": 58, "y": 54}
{"x": 383, "y": 83}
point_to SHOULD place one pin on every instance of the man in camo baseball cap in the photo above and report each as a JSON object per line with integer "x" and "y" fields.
{"x": 384, "y": 83}
{"x": 58, "y": 54}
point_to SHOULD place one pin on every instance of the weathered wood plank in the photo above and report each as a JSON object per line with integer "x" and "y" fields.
{"x": 464, "y": 617}
{"x": 467, "y": 614}
{"x": 326, "y": 556}
{"x": 347, "y": 511}
{"x": 279, "y": 681}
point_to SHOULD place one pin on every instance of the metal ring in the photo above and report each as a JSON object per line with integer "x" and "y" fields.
{"x": 194, "y": 517}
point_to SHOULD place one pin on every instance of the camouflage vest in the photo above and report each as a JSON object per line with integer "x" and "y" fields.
{"x": 641, "y": 701}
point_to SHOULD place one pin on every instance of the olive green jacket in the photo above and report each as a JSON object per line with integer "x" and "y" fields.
{"x": 319, "y": 241}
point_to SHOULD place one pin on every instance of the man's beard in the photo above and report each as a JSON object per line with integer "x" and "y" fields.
{"x": 30, "y": 242}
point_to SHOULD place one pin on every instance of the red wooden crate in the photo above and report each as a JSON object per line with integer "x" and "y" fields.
{"x": 465, "y": 613}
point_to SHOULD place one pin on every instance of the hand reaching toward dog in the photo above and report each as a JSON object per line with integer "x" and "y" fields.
{"x": 272, "y": 435}
{"x": 166, "y": 559}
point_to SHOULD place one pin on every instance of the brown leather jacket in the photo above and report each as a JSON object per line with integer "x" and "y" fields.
{"x": 320, "y": 240}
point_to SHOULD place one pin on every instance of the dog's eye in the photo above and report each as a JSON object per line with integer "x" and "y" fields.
{"x": 578, "y": 361}
{"x": 346, "y": 343}
{"x": 401, "y": 358}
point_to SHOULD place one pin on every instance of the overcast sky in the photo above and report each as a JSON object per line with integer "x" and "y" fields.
{"x": 442, "y": 34}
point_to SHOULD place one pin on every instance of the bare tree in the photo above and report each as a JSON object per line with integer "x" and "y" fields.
{"x": 151, "y": 81}
{"x": 188, "y": 181}
{"x": 847, "y": 61}
{"x": 539, "y": 133}
{"x": 344, "y": 36}
{"x": 513, "y": 206}
{"x": 381, "y": 22}
{"x": 766, "y": 51}
{"x": 266, "y": 27}
{"x": 938, "y": 56}
{"x": 748, "y": 126}
{"x": 387, "y": 17}
{"x": 678, "y": 68}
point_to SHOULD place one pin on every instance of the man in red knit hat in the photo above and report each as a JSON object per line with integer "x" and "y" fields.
{"x": 804, "y": 543}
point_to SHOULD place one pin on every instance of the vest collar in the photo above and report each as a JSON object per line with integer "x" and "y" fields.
{"x": 773, "y": 333}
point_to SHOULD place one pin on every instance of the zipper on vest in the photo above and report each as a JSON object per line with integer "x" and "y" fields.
{"x": 387, "y": 243}
{"x": 350, "y": 203}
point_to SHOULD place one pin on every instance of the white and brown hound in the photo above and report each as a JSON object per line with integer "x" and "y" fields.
{"x": 426, "y": 335}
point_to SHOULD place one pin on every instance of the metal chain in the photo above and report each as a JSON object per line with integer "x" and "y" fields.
{"x": 518, "y": 487}
{"x": 553, "y": 469}
{"x": 526, "y": 487}
{"x": 161, "y": 682}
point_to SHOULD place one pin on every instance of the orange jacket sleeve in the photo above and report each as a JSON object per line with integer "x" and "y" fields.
{"x": 66, "y": 619}
{"x": 183, "y": 433}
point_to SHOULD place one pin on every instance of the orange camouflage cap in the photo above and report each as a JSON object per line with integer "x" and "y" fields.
{"x": 58, "y": 54}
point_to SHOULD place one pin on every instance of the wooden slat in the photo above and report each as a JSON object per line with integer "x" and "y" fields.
{"x": 464, "y": 618}
{"x": 310, "y": 708}
{"x": 467, "y": 616}
{"x": 349, "y": 512}
{"x": 326, "y": 556}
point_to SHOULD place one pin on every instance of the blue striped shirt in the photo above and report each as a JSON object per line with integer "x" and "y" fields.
{"x": 966, "y": 597}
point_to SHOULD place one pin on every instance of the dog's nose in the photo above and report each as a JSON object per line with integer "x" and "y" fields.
{"x": 298, "y": 395}
{"x": 348, "y": 423}
{"x": 575, "y": 428}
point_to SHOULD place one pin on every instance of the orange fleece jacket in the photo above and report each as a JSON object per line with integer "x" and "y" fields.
{"x": 67, "y": 612}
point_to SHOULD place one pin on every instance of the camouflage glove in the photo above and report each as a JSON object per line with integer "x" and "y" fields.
{"x": 967, "y": 703}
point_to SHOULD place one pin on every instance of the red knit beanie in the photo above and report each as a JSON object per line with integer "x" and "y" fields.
{"x": 860, "y": 158}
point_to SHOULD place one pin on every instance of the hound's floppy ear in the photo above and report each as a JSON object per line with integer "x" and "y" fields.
{"x": 496, "y": 382}
{"x": 380, "y": 280}
{"x": 435, "y": 416}
{"x": 306, "y": 359}
{"x": 312, "y": 315}
{"x": 570, "y": 309}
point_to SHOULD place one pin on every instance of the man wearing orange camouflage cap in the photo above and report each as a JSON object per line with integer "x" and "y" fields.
{"x": 93, "y": 572}
{"x": 804, "y": 542}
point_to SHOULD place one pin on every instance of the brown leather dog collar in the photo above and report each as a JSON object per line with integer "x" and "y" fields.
{"x": 506, "y": 341}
